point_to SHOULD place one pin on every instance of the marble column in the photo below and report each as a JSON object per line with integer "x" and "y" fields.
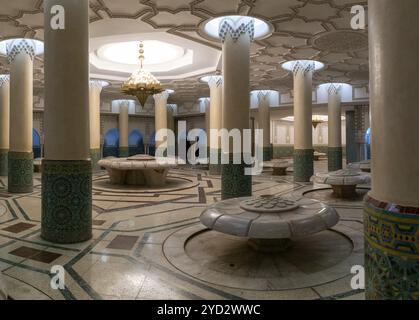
{"x": 236, "y": 37}
{"x": 303, "y": 131}
{"x": 161, "y": 113}
{"x": 67, "y": 168}
{"x": 95, "y": 90}
{"x": 264, "y": 122}
{"x": 215, "y": 84}
{"x": 4, "y": 122}
{"x": 123, "y": 121}
{"x": 391, "y": 218}
{"x": 334, "y": 150}
{"x": 21, "y": 53}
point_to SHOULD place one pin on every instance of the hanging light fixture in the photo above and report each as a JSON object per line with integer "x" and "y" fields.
{"x": 317, "y": 120}
{"x": 142, "y": 83}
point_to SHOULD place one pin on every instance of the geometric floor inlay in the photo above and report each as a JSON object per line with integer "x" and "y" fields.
{"x": 172, "y": 184}
{"x": 149, "y": 244}
{"x": 35, "y": 254}
{"x": 123, "y": 242}
{"x": 19, "y": 227}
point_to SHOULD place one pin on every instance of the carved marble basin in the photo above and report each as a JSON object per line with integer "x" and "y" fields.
{"x": 270, "y": 222}
{"x": 141, "y": 157}
{"x": 279, "y": 167}
{"x": 140, "y": 170}
{"x": 343, "y": 182}
{"x": 364, "y": 166}
{"x": 318, "y": 155}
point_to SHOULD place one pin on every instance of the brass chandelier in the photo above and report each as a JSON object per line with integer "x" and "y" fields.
{"x": 316, "y": 121}
{"x": 142, "y": 83}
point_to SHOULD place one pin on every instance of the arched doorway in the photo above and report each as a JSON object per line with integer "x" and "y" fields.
{"x": 111, "y": 143}
{"x": 36, "y": 144}
{"x": 367, "y": 140}
{"x": 136, "y": 143}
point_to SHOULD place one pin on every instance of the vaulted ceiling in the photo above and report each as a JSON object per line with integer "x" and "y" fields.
{"x": 303, "y": 29}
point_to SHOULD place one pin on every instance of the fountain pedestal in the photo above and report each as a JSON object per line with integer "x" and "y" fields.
{"x": 279, "y": 167}
{"x": 270, "y": 222}
{"x": 343, "y": 182}
{"x": 270, "y": 245}
{"x": 139, "y": 170}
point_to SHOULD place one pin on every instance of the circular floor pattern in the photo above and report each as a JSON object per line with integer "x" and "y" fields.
{"x": 222, "y": 259}
{"x": 326, "y": 195}
{"x": 172, "y": 184}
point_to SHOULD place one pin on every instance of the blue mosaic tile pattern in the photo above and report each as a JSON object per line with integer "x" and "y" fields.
{"x": 234, "y": 182}
{"x": 20, "y": 175}
{"x": 66, "y": 201}
{"x": 4, "y": 162}
{"x": 303, "y": 165}
{"x": 391, "y": 251}
{"x": 334, "y": 159}
{"x": 95, "y": 155}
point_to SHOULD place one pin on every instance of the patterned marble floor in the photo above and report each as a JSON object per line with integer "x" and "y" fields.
{"x": 149, "y": 244}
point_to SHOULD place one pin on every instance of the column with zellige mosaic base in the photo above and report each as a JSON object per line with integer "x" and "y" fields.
{"x": 67, "y": 168}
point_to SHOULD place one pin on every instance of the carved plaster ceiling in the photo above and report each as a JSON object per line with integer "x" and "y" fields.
{"x": 303, "y": 29}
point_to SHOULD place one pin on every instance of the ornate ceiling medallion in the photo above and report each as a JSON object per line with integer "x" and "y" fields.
{"x": 341, "y": 41}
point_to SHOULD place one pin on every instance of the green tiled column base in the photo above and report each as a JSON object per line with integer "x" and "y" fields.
{"x": 335, "y": 158}
{"x": 66, "y": 201}
{"x": 123, "y": 152}
{"x": 95, "y": 155}
{"x": 215, "y": 169}
{"x": 234, "y": 182}
{"x": 267, "y": 153}
{"x": 3, "y": 162}
{"x": 391, "y": 251}
{"x": 20, "y": 176}
{"x": 303, "y": 165}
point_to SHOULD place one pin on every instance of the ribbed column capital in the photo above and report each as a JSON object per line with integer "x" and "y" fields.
{"x": 172, "y": 107}
{"x": 4, "y": 79}
{"x": 161, "y": 98}
{"x": 123, "y": 103}
{"x": 205, "y": 102}
{"x": 236, "y": 28}
{"x": 302, "y": 67}
{"x": 263, "y": 96}
{"x": 19, "y": 46}
{"x": 98, "y": 84}
{"x": 334, "y": 89}
{"x": 215, "y": 82}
